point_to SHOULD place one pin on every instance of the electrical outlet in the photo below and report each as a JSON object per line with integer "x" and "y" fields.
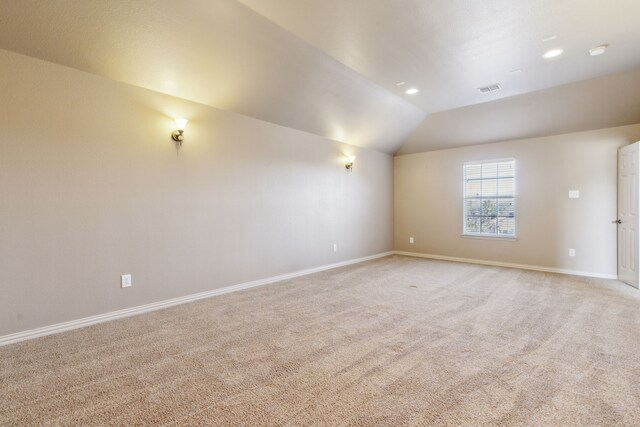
{"x": 335, "y": 247}
{"x": 410, "y": 239}
{"x": 572, "y": 252}
{"x": 125, "y": 280}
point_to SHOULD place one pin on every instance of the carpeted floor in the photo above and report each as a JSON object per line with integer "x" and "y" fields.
{"x": 396, "y": 341}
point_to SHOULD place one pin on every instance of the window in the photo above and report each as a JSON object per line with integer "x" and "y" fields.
{"x": 489, "y": 198}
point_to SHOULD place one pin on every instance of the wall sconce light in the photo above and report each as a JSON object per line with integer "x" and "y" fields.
{"x": 350, "y": 161}
{"x": 178, "y": 134}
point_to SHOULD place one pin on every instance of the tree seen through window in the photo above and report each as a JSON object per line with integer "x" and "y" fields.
{"x": 489, "y": 198}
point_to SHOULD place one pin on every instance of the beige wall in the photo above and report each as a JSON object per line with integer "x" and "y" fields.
{"x": 92, "y": 187}
{"x": 428, "y": 201}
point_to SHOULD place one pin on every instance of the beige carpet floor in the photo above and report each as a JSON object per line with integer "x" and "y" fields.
{"x": 396, "y": 341}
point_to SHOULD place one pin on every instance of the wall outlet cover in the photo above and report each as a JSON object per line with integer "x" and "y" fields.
{"x": 574, "y": 194}
{"x": 410, "y": 239}
{"x": 572, "y": 252}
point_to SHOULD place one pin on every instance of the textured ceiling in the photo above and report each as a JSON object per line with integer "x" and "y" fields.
{"x": 598, "y": 103}
{"x": 219, "y": 53}
{"x": 329, "y": 67}
{"x": 449, "y": 48}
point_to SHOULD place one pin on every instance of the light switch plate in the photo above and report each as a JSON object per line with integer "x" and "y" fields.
{"x": 574, "y": 194}
{"x": 410, "y": 239}
{"x": 125, "y": 280}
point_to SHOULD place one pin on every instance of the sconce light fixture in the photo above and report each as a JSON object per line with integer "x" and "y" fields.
{"x": 350, "y": 161}
{"x": 178, "y": 134}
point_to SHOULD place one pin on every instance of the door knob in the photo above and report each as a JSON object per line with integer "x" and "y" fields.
{"x": 617, "y": 221}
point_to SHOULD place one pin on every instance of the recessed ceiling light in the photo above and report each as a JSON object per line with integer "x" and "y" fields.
{"x": 598, "y": 50}
{"x": 549, "y": 38}
{"x": 400, "y": 83}
{"x": 518, "y": 71}
{"x": 552, "y": 53}
{"x": 412, "y": 91}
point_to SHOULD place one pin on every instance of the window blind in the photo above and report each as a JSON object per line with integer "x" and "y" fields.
{"x": 489, "y": 198}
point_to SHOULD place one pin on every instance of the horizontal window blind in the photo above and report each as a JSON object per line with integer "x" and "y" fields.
{"x": 489, "y": 198}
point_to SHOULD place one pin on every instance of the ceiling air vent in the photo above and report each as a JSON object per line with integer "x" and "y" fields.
{"x": 490, "y": 88}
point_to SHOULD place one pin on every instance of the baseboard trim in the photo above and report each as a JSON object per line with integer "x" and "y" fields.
{"x": 508, "y": 265}
{"x": 92, "y": 320}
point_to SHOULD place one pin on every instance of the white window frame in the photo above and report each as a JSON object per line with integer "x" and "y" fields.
{"x": 490, "y": 236}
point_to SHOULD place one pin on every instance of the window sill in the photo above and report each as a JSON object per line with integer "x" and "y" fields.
{"x": 488, "y": 237}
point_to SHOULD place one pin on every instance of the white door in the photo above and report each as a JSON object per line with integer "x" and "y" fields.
{"x": 628, "y": 214}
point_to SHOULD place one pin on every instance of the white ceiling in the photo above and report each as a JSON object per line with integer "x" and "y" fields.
{"x": 329, "y": 67}
{"x": 449, "y": 48}
{"x": 598, "y": 103}
{"x": 219, "y": 53}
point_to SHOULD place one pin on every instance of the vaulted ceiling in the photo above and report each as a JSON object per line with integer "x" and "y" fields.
{"x": 330, "y": 67}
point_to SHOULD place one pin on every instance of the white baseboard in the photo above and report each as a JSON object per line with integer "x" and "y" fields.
{"x": 508, "y": 265}
{"x": 92, "y": 320}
